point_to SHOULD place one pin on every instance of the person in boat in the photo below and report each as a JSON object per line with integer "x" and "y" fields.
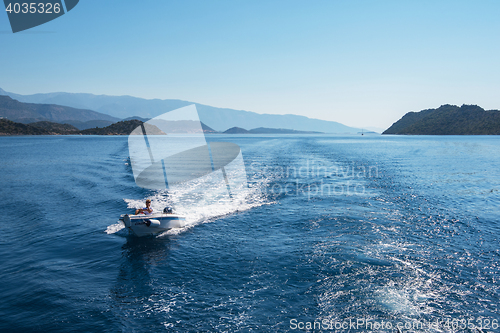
{"x": 146, "y": 210}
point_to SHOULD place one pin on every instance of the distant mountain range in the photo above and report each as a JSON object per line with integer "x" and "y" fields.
{"x": 264, "y": 130}
{"x": 30, "y": 112}
{"x": 220, "y": 119}
{"x": 127, "y": 127}
{"x": 448, "y": 120}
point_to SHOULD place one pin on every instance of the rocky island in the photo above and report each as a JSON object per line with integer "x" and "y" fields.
{"x": 448, "y": 120}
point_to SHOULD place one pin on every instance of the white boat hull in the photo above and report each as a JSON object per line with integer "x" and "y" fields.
{"x": 148, "y": 225}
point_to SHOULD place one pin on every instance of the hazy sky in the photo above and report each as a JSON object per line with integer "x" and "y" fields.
{"x": 362, "y": 63}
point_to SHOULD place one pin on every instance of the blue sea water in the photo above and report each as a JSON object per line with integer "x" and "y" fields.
{"x": 335, "y": 231}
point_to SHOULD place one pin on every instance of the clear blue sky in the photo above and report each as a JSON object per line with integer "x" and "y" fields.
{"x": 362, "y": 63}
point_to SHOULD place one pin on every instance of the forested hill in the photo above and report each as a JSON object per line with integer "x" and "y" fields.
{"x": 449, "y": 120}
{"x": 120, "y": 128}
{"x": 8, "y": 127}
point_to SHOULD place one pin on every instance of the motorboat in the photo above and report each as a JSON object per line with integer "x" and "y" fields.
{"x": 152, "y": 224}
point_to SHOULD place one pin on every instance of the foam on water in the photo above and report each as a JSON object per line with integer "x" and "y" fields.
{"x": 111, "y": 229}
{"x": 202, "y": 200}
